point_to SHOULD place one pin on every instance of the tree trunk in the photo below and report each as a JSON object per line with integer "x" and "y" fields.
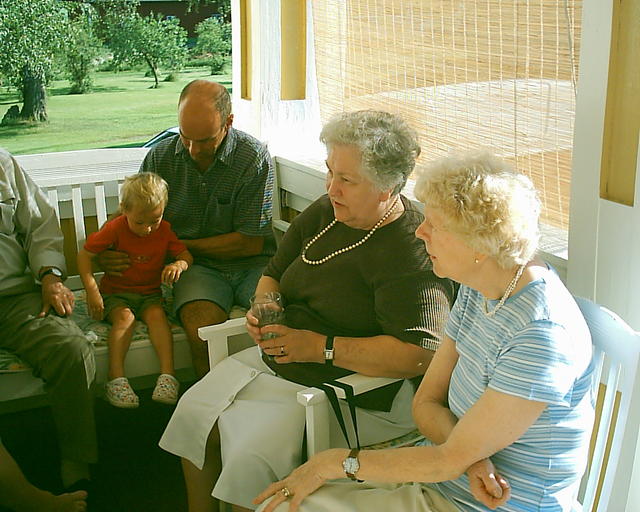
{"x": 155, "y": 77}
{"x": 34, "y": 96}
{"x": 154, "y": 70}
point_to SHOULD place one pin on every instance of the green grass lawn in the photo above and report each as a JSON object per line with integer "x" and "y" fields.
{"x": 122, "y": 110}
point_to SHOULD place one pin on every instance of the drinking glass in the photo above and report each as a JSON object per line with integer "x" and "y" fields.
{"x": 268, "y": 309}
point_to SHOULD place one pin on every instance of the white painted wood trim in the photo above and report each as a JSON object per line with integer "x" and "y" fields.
{"x": 587, "y": 147}
{"x": 101, "y": 204}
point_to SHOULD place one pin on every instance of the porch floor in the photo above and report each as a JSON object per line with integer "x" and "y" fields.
{"x": 133, "y": 473}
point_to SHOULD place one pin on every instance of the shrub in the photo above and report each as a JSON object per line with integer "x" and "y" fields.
{"x": 214, "y": 41}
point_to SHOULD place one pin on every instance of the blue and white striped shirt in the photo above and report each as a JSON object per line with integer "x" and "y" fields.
{"x": 536, "y": 347}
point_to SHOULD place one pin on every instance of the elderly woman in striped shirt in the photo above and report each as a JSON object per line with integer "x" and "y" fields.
{"x": 506, "y": 403}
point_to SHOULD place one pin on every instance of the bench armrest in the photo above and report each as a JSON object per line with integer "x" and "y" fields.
{"x": 362, "y": 383}
{"x": 317, "y": 407}
{"x": 217, "y": 338}
{"x": 314, "y": 400}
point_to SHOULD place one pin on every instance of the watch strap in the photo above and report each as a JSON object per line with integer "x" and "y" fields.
{"x": 328, "y": 351}
{"x": 51, "y": 270}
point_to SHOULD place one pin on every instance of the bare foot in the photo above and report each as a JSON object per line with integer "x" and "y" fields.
{"x": 68, "y": 502}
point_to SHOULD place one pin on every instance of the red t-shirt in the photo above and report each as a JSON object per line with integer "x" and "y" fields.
{"x": 147, "y": 255}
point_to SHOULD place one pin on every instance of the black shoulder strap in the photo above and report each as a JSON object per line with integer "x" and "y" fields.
{"x": 335, "y": 404}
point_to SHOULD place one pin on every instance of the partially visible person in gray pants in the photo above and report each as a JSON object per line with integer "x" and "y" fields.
{"x": 34, "y": 310}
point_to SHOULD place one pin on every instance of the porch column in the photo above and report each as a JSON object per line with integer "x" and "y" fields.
{"x": 604, "y": 234}
{"x": 289, "y": 126}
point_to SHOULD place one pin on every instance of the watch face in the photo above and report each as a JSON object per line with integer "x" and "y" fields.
{"x": 351, "y": 465}
{"x": 53, "y": 270}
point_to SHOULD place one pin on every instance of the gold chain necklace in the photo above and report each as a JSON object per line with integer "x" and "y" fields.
{"x": 507, "y": 292}
{"x": 348, "y": 247}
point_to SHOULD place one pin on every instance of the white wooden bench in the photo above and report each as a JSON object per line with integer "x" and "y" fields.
{"x": 83, "y": 187}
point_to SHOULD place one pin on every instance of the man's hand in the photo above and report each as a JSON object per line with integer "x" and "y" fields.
{"x": 113, "y": 263}
{"x": 57, "y": 296}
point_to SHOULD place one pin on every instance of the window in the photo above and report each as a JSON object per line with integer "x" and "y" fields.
{"x": 465, "y": 73}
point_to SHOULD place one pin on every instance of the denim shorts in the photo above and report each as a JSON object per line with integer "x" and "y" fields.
{"x": 222, "y": 288}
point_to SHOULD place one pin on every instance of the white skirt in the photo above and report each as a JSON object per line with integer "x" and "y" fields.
{"x": 348, "y": 496}
{"x": 261, "y": 425}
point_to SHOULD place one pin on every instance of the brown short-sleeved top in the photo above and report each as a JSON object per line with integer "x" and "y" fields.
{"x": 384, "y": 286}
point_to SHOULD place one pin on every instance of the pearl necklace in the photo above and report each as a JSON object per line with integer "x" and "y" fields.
{"x": 347, "y": 248}
{"x": 507, "y": 292}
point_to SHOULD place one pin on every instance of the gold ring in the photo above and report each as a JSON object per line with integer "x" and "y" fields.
{"x": 282, "y": 353}
{"x": 286, "y": 492}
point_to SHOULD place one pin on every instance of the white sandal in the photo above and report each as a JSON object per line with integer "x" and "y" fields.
{"x": 166, "y": 390}
{"x": 120, "y": 394}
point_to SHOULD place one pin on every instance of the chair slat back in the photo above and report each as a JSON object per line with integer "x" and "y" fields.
{"x": 85, "y": 204}
{"x": 78, "y": 216}
{"x": 52, "y": 194}
{"x": 101, "y": 204}
{"x": 607, "y": 482}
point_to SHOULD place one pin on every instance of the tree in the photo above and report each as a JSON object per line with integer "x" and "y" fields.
{"x": 214, "y": 39}
{"x": 149, "y": 40}
{"x": 30, "y": 34}
{"x": 81, "y": 49}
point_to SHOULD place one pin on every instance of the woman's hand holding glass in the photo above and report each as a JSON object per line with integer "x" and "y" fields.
{"x": 293, "y": 345}
{"x": 286, "y": 345}
{"x": 266, "y": 309}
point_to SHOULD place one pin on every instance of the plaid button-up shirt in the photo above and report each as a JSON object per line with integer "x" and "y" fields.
{"x": 233, "y": 195}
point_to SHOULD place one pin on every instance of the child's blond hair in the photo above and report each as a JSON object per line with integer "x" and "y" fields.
{"x": 146, "y": 190}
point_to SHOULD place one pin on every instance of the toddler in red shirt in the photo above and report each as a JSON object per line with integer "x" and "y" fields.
{"x": 148, "y": 239}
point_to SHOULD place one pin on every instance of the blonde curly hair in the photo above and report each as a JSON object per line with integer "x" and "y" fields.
{"x": 146, "y": 190}
{"x": 492, "y": 208}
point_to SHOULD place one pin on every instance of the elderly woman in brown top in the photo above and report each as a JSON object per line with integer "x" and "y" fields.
{"x": 352, "y": 272}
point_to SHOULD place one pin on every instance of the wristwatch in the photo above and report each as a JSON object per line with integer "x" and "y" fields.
{"x": 51, "y": 270}
{"x": 328, "y": 351}
{"x": 351, "y": 464}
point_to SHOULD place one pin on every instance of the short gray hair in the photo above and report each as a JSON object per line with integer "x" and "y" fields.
{"x": 388, "y": 145}
{"x": 493, "y": 208}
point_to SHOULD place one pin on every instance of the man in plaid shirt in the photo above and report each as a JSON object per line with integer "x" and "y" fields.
{"x": 220, "y": 205}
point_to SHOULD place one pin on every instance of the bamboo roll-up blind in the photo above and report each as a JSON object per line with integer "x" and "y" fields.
{"x": 465, "y": 73}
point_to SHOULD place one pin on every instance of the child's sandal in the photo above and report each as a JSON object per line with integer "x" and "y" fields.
{"x": 166, "y": 390}
{"x": 120, "y": 394}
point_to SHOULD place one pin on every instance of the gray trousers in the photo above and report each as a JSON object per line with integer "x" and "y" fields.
{"x": 60, "y": 355}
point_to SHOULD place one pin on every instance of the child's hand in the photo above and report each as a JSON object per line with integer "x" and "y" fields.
{"x": 171, "y": 272}
{"x": 95, "y": 305}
